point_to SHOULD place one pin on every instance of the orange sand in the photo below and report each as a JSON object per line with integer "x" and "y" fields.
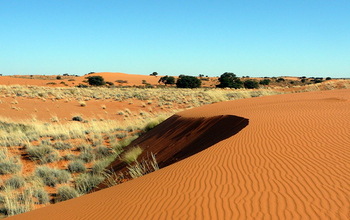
{"x": 291, "y": 162}
{"x": 108, "y": 77}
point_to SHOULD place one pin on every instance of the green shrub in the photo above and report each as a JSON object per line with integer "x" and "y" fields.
{"x": 229, "y": 80}
{"x": 188, "y": 82}
{"x": 280, "y": 80}
{"x": 265, "y": 82}
{"x": 96, "y": 80}
{"x": 251, "y": 84}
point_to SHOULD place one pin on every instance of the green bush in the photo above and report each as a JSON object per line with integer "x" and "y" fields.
{"x": 251, "y": 84}
{"x": 265, "y": 82}
{"x": 280, "y": 80}
{"x": 96, "y": 80}
{"x": 229, "y": 80}
{"x": 188, "y": 82}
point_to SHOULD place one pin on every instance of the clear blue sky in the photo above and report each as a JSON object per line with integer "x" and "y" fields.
{"x": 251, "y": 37}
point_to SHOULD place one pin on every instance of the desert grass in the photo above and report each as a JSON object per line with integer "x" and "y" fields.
{"x": 144, "y": 167}
{"x": 132, "y": 154}
{"x": 76, "y": 153}
{"x": 84, "y": 149}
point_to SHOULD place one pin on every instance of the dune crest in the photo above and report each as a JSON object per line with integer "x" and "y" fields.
{"x": 180, "y": 137}
{"x": 291, "y": 162}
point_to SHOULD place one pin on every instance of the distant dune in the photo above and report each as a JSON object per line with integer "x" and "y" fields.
{"x": 291, "y": 162}
{"x": 129, "y": 79}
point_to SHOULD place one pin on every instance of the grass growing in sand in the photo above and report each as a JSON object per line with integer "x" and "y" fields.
{"x": 131, "y": 155}
{"x": 70, "y": 158}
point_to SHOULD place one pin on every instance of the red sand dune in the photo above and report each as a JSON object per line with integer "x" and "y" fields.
{"x": 291, "y": 162}
{"x": 132, "y": 79}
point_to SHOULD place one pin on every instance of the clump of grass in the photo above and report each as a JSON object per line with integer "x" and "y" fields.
{"x": 87, "y": 156}
{"x": 102, "y": 152}
{"x": 43, "y": 153}
{"x": 15, "y": 203}
{"x": 10, "y": 166}
{"x": 40, "y": 194}
{"x": 85, "y": 182}
{"x": 62, "y": 145}
{"x": 65, "y": 193}
{"x": 52, "y": 176}
{"x": 15, "y": 182}
{"x": 132, "y": 154}
{"x": 144, "y": 167}
{"x": 77, "y": 166}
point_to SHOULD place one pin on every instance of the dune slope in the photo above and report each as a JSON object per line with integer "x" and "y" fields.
{"x": 291, "y": 162}
{"x": 180, "y": 137}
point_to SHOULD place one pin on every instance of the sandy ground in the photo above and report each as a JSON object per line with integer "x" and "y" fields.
{"x": 290, "y": 162}
{"x": 132, "y": 79}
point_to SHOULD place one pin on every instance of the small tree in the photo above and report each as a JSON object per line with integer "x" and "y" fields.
{"x": 280, "y": 80}
{"x": 170, "y": 81}
{"x": 265, "y": 82}
{"x": 96, "y": 80}
{"x": 167, "y": 80}
{"x": 251, "y": 84}
{"x": 154, "y": 74}
{"x": 229, "y": 80}
{"x": 188, "y": 82}
{"x": 58, "y": 77}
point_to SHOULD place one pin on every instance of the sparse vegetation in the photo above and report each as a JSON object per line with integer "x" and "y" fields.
{"x": 188, "y": 82}
{"x": 96, "y": 80}
{"x": 65, "y": 193}
{"x": 132, "y": 154}
{"x": 229, "y": 80}
{"x": 76, "y": 154}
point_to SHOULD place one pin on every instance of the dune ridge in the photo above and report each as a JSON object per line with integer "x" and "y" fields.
{"x": 291, "y": 162}
{"x": 180, "y": 137}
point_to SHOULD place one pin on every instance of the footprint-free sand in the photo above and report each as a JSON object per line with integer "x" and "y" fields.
{"x": 292, "y": 161}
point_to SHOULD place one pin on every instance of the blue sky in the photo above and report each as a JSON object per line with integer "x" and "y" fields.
{"x": 254, "y": 38}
